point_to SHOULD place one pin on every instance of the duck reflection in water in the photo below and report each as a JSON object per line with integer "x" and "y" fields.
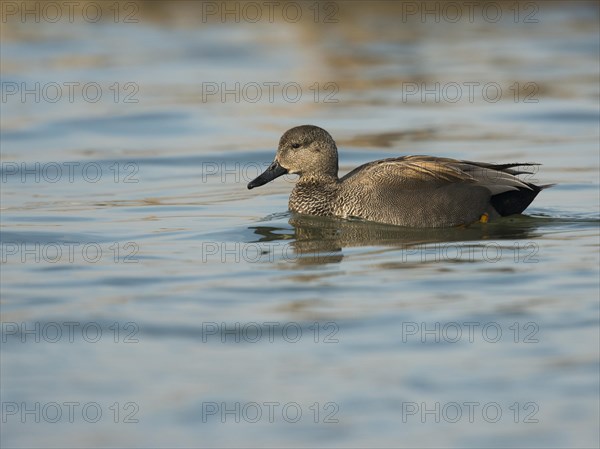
{"x": 317, "y": 240}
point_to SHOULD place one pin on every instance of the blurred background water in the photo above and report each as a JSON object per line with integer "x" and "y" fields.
{"x": 149, "y": 299}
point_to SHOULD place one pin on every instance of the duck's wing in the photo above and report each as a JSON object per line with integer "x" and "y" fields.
{"x": 454, "y": 189}
{"x": 422, "y": 172}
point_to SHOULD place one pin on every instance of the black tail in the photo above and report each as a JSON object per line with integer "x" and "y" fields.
{"x": 516, "y": 201}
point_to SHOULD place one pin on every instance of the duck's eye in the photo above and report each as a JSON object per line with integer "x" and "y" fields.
{"x": 295, "y": 146}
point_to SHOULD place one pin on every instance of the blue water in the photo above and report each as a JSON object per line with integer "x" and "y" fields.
{"x": 148, "y": 299}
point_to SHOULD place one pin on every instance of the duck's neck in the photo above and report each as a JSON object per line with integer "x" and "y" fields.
{"x": 314, "y": 195}
{"x": 321, "y": 179}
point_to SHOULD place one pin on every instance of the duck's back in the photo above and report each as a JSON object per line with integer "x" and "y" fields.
{"x": 424, "y": 191}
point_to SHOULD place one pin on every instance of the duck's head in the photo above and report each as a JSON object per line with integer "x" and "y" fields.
{"x": 305, "y": 150}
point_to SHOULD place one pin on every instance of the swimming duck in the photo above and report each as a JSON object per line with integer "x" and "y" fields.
{"x": 414, "y": 191}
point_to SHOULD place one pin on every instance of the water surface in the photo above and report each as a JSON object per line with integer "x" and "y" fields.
{"x": 141, "y": 278}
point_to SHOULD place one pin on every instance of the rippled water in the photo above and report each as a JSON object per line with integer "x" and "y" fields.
{"x": 150, "y": 300}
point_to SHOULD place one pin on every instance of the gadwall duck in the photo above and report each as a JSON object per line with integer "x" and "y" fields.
{"x": 415, "y": 191}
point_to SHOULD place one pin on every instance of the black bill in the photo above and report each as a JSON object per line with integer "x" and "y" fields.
{"x": 274, "y": 171}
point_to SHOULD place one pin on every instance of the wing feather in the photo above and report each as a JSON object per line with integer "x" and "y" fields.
{"x": 420, "y": 172}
